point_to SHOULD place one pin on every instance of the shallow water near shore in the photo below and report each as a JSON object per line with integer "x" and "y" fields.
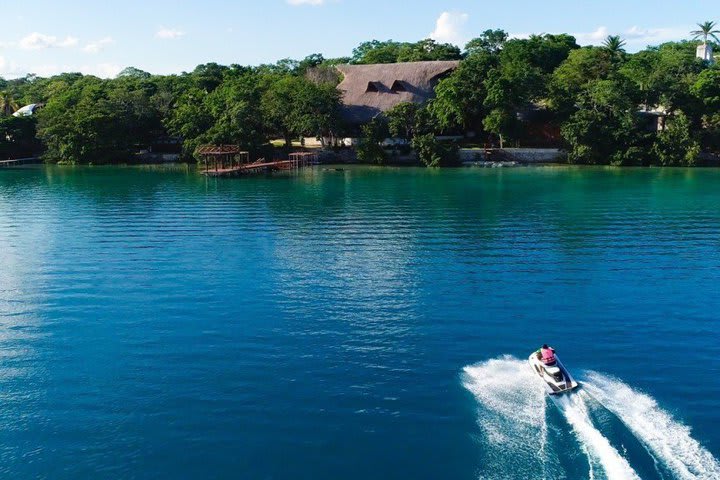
{"x": 358, "y": 323}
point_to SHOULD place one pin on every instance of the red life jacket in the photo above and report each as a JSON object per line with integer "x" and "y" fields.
{"x": 548, "y": 355}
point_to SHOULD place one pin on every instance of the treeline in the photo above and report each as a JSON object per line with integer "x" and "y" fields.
{"x": 87, "y": 119}
{"x": 659, "y": 106}
{"x": 605, "y": 102}
{"x": 599, "y": 103}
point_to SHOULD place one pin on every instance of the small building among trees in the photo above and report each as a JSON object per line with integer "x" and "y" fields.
{"x": 369, "y": 90}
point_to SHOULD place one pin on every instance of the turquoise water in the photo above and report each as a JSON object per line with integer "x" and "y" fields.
{"x": 363, "y": 323}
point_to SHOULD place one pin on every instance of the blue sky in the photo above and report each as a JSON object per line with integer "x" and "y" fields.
{"x": 163, "y": 36}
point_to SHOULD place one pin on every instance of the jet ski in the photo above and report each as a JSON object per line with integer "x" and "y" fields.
{"x": 556, "y": 377}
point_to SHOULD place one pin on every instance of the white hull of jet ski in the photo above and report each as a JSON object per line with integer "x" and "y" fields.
{"x": 557, "y": 379}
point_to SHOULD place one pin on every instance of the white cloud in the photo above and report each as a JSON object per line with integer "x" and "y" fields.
{"x": 636, "y": 37}
{"x": 592, "y": 38}
{"x": 314, "y": 3}
{"x": 654, "y": 36}
{"x": 98, "y": 45}
{"x": 9, "y": 69}
{"x": 169, "y": 33}
{"x": 40, "y": 41}
{"x": 450, "y": 28}
{"x": 102, "y": 70}
{"x": 43, "y": 70}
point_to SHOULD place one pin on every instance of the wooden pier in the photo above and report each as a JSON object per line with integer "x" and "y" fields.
{"x": 19, "y": 161}
{"x": 261, "y": 166}
{"x": 230, "y": 161}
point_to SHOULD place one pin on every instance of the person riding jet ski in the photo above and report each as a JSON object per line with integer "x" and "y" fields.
{"x": 550, "y": 369}
{"x": 547, "y": 354}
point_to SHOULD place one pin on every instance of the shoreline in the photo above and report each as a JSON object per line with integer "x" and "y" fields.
{"x": 512, "y": 157}
{"x": 339, "y": 166}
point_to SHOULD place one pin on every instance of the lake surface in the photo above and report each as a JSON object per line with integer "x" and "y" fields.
{"x": 354, "y": 324}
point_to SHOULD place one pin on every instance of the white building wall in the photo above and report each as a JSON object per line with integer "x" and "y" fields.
{"x": 705, "y": 52}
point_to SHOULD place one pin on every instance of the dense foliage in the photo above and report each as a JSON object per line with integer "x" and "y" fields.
{"x": 17, "y": 137}
{"x": 85, "y": 119}
{"x": 393, "y": 52}
{"x": 433, "y": 153}
{"x": 600, "y": 103}
{"x": 370, "y": 149}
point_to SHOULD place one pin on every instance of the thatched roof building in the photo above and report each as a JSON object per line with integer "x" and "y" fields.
{"x": 369, "y": 90}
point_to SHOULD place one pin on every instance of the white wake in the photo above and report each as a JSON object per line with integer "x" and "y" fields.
{"x": 666, "y": 437}
{"x": 595, "y": 444}
{"x": 511, "y": 417}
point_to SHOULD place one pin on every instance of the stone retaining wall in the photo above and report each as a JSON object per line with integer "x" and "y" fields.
{"x": 507, "y": 155}
{"x": 520, "y": 155}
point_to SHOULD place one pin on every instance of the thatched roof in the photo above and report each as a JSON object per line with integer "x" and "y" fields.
{"x": 218, "y": 150}
{"x": 371, "y": 89}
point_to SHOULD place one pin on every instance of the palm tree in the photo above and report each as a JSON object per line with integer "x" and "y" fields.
{"x": 8, "y": 105}
{"x": 707, "y": 29}
{"x": 614, "y": 44}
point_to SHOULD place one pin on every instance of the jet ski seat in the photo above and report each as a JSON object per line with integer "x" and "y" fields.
{"x": 552, "y": 370}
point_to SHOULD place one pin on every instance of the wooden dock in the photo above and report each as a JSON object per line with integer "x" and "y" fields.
{"x": 249, "y": 168}
{"x": 229, "y": 161}
{"x": 19, "y": 161}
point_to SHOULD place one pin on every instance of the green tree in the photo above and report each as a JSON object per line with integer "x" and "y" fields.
{"x": 490, "y": 41}
{"x": 705, "y": 30}
{"x": 428, "y": 50}
{"x": 582, "y": 67}
{"x": 18, "y": 137}
{"x": 392, "y": 52}
{"x": 93, "y": 120}
{"x": 676, "y": 145}
{"x": 376, "y": 51}
{"x": 311, "y": 61}
{"x": 133, "y": 72}
{"x": 130, "y": 98}
{"x": 502, "y": 123}
{"x": 606, "y": 127}
{"x": 432, "y": 153}
{"x": 521, "y": 80}
{"x": 672, "y": 76}
{"x": 8, "y": 105}
{"x": 235, "y": 108}
{"x": 370, "y": 148}
{"x": 615, "y": 46}
{"x": 460, "y": 98}
{"x": 544, "y": 52}
{"x": 83, "y": 125}
{"x": 286, "y": 66}
{"x": 640, "y": 69}
{"x": 510, "y": 88}
{"x": 294, "y": 107}
{"x": 325, "y": 73}
{"x": 209, "y": 76}
{"x": 190, "y": 119}
{"x": 707, "y": 88}
{"x": 595, "y": 137}
{"x": 711, "y": 132}
{"x": 403, "y": 119}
